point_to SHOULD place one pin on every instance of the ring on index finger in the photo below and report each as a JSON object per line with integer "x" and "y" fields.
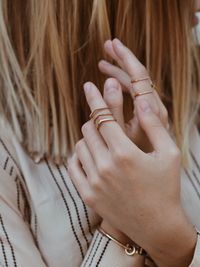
{"x": 100, "y": 116}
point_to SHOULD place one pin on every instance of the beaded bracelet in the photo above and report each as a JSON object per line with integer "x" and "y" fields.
{"x": 129, "y": 249}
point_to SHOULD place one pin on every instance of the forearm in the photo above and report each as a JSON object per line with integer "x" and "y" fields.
{"x": 170, "y": 244}
{"x": 174, "y": 244}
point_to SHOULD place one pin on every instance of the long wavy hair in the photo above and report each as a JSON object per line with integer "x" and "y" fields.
{"x": 49, "y": 48}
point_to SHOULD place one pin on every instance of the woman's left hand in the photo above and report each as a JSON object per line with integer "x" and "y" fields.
{"x": 136, "y": 192}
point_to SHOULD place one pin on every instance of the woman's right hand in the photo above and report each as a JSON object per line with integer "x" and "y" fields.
{"x": 124, "y": 73}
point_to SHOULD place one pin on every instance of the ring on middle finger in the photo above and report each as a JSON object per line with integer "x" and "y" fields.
{"x": 142, "y": 93}
{"x": 144, "y": 79}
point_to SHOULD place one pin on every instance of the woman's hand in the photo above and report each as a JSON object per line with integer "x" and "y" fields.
{"x": 130, "y": 68}
{"x": 136, "y": 192}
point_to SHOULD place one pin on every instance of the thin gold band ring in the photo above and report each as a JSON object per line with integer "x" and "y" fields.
{"x": 95, "y": 112}
{"x": 140, "y": 80}
{"x": 102, "y": 116}
{"x": 144, "y": 79}
{"x": 142, "y": 93}
{"x": 101, "y": 121}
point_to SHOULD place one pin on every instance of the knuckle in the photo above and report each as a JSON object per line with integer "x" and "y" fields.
{"x": 96, "y": 184}
{"x": 175, "y": 155}
{"x": 70, "y": 165}
{"x": 122, "y": 156}
{"x": 151, "y": 121}
{"x": 85, "y": 128}
{"x": 104, "y": 170}
{"x": 88, "y": 199}
{"x": 79, "y": 145}
{"x": 165, "y": 115}
{"x": 142, "y": 70}
{"x": 156, "y": 110}
{"x": 70, "y": 168}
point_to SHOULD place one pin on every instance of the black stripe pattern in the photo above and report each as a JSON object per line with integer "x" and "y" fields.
{"x": 8, "y": 240}
{"x": 75, "y": 205}
{"x": 91, "y": 249}
{"x": 69, "y": 216}
{"x": 4, "y": 253}
{"x": 102, "y": 253}
{"x": 96, "y": 249}
{"x": 84, "y": 206}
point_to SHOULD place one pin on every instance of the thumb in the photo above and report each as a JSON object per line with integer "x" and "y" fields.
{"x": 152, "y": 126}
{"x": 114, "y": 99}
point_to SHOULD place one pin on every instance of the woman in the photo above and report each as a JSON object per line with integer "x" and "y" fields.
{"x": 43, "y": 220}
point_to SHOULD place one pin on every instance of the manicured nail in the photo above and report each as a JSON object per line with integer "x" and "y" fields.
{"x": 144, "y": 105}
{"x": 87, "y": 87}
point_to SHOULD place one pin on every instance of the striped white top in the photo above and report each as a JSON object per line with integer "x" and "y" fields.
{"x": 44, "y": 222}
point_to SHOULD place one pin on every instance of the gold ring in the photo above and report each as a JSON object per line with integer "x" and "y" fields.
{"x": 142, "y": 93}
{"x": 141, "y": 79}
{"x": 144, "y": 79}
{"x": 95, "y": 111}
{"x": 101, "y": 115}
{"x": 102, "y": 120}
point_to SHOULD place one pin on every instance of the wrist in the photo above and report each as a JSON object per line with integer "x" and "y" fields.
{"x": 117, "y": 234}
{"x": 174, "y": 243}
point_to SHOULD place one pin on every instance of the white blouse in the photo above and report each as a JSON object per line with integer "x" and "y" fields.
{"x": 44, "y": 222}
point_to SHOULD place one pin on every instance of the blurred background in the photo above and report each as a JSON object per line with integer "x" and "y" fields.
{"x": 198, "y": 27}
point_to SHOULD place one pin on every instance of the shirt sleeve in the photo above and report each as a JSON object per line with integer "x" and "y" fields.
{"x": 196, "y": 259}
{"x": 105, "y": 252}
{"x": 17, "y": 245}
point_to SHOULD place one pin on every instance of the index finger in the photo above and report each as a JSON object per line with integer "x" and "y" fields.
{"x": 110, "y": 131}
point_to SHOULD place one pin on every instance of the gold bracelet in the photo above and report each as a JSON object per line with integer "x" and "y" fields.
{"x": 129, "y": 249}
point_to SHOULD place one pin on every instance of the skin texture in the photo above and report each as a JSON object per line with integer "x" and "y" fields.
{"x": 124, "y": 185}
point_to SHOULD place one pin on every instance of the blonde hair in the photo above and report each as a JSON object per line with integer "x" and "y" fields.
{"x": 48, "y": 49}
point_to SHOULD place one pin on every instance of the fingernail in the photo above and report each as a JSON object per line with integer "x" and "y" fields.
{"x": 118, "y": 42}
{"x": 111, "y": 86}
{"x": 111, "y": 89}
{"x": 87, "y": 87}
{"x": 104, "y": 62}
{"x": 144, "y": 106}
{"x": 107, "y": 41}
